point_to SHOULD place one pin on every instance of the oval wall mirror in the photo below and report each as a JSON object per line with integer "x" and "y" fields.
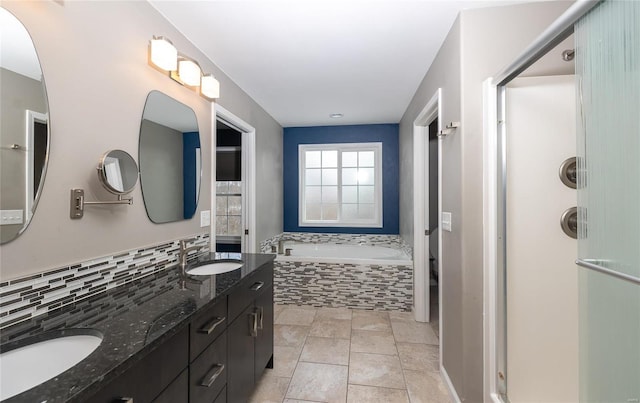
{"x": 118, "y": 172}
{"x": 24, "y": 128}
{"x": 170, "y": 159}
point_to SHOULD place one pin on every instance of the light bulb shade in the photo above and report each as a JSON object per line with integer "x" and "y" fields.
{"x": 164, "y": 54}
{"x": 210, "y": 87}
{"x": 189, "y": 72}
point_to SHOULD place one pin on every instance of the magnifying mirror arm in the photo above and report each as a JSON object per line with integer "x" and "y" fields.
{"x": 78, "y": 203}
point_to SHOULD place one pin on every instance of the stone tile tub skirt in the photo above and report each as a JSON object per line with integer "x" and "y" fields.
{"x": 374, "y": 287}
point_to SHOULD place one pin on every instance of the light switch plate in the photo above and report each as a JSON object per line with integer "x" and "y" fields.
{"x": 446, "y": 221}
{"x": 10, "y": 217}
{"x": 205, "y": 218}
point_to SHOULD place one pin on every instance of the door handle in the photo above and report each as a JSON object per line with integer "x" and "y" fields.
{"x": 253, "y": 324}
{"x": 212, "y": 375}
{"x": 208, "y": 327}
{"x": 260, "y": 317}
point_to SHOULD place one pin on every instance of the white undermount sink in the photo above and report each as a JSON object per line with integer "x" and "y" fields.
{"x": 25, "y": 367}
{"x": 220, "y": 267}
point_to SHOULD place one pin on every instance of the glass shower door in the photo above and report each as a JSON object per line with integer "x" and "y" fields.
{"x": 608, "y": 71}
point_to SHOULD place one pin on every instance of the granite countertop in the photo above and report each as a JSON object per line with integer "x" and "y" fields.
{"x": 133, "y": 319}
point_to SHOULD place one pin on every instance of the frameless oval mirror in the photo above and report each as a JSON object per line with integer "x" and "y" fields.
{"x": 170, "y": 167}
{"x": 118, "y": 172}
{"x": 24, "y": 128}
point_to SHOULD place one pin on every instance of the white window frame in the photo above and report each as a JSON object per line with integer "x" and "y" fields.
{"x": 376, "y": 147}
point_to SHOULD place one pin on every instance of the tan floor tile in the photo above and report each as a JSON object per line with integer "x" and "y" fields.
{"x": 413, "y": 332}
{"x": 340, "y": 329}
{"x": 376, "y": 370}
{"x": 426, "y": 387}
{"x": 270, "y": 389}
{"x": 296, "y": 316}
{"x": 370, "y": 320}
{"x": 333, "y": 313}
{"x": 319, "y": 382}
{"x": 365, "y": 341}
{"x": 326, "y": 351}
{"x": 372, "y": 394}
{"x": 395, "y": 315}
{"x": 419, "y": 357}
{"x": 298, "y": 401}
{"x": 285, "y": 360}
{"x": 290, "y": 336}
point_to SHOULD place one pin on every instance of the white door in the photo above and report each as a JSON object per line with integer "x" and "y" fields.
{"x": 541, "y": 277}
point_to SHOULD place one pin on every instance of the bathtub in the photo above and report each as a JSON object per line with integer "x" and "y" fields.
{"x": 377, "y": 277}
{"x": 345, "y": 253}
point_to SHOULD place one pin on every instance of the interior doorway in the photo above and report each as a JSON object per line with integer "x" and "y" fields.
{"x": 233, "y": 196}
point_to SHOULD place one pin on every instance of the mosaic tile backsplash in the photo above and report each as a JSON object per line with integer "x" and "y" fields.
{"x": 386, "y": 287}
{"x": 24, "y": 298}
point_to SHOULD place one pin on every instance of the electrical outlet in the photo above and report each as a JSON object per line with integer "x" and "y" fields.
{"x": 10, "y": 217}
{"x": 446, "y": 221}
{"x": 205, "y": 218}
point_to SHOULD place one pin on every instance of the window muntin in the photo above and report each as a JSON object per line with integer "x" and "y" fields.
{"x": 340, "y": 185}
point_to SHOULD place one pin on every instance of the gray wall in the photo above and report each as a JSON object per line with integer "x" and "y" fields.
{"x": 94, "y": 61}
{"x": 480, "y": 44}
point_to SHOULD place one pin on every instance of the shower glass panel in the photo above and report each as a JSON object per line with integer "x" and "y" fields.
{"x": 608, "y": 71}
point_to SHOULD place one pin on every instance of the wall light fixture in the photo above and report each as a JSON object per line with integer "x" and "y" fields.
{"x": 182, "y": 69}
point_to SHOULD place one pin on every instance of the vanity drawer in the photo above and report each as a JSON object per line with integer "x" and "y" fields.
{"x": 249, "y": 290}
{"x": 209, "y": 372}
{"x": 207, "y": 326}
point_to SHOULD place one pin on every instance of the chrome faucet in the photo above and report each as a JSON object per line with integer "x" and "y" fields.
{"x": 184, "y": 251}
{"x": 281, "y": 242}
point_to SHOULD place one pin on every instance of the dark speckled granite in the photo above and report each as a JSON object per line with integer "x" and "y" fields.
{"x": 134, "y": 319}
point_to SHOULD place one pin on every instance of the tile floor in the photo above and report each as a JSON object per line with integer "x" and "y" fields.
{"x": 344, "y": 355}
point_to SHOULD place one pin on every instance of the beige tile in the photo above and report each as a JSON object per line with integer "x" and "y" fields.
{"x": 370, "y": 320}
{"x": 326, "y": 351}
{"x": 413, "y": 332}
{"x": 426, "y": 387}
{"x": 376, "y": 370}
{"x": 333, "y": 313}
{"x": 270, "y": 389}
{"x": 396, "y": 315}
{"x": 277, "y": 309}
{"x": 372, "y": 394}
{"x": 340, "y": 329}
{"x": 319, "y": 382}
{"x": 285, "y": 360}
{"x": 419, "y": 357}
{"x": 365, "y": 341}
{"x": 290, "y": 336}
{"x": 296, "y": 316}
{"x": 298, "y": 401}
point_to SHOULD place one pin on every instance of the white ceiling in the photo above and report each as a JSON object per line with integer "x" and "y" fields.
{"x": 304, "y": 60}
{"x": 18, "y": 53}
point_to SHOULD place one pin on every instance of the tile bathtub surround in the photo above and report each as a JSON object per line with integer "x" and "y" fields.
{"x": 377, "y": 287}
{"x": 24, "y": 298}
{"x": 365, "y": 366}
{"x": 393, "y": 241}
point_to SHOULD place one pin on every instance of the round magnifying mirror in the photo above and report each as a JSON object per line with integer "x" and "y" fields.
{"x": 118, "y": 172}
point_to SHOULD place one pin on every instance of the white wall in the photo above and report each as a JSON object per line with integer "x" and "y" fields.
{"x": 480, "y": 44}
{"x": 94, "y": 61}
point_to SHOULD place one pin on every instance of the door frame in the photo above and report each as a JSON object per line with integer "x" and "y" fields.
{"x": 248, "y": 153}
{"x": 422, "y": 303}
{"x": 494, "y": 198}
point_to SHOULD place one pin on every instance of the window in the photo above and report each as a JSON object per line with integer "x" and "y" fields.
{"x": 340, "y": 185}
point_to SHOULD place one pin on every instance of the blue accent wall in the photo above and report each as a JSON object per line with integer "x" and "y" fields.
{"x": 190, "y": 142}
{"x": 387, "y": 134}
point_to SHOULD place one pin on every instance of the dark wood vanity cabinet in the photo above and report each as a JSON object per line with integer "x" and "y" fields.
{"x": 250, "y": 348}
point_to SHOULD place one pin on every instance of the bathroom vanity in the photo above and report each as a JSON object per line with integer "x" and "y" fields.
{"x": 166, "y": 338}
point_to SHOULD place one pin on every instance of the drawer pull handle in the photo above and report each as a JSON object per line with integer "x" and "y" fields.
{"x": 209, "y": 327}
{"x": 253, "y": 324}
{"x": 260, "y": 317}
{"x": 212, "y": 375}
{"x": 125, "y": 400}
{"x": 257, "y": 285}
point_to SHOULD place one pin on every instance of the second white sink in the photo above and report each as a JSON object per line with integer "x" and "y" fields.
{"x": 215, "y": 268}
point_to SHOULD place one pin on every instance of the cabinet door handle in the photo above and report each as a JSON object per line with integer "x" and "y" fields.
{"x": 257, "y": 285}
{"x": 124, "y": 400}
{"x": 212, "y": 375}
{"x": 209, "y": 327}
{"x": 260, "y": 317}
{"x": 253, "y": 324}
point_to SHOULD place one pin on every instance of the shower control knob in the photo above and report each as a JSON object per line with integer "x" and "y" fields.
{"x": 569, "y": 172}
{"x": 569, "y": 222}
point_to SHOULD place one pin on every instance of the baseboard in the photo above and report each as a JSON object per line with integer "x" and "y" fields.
{"x": 452, "y": 391}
